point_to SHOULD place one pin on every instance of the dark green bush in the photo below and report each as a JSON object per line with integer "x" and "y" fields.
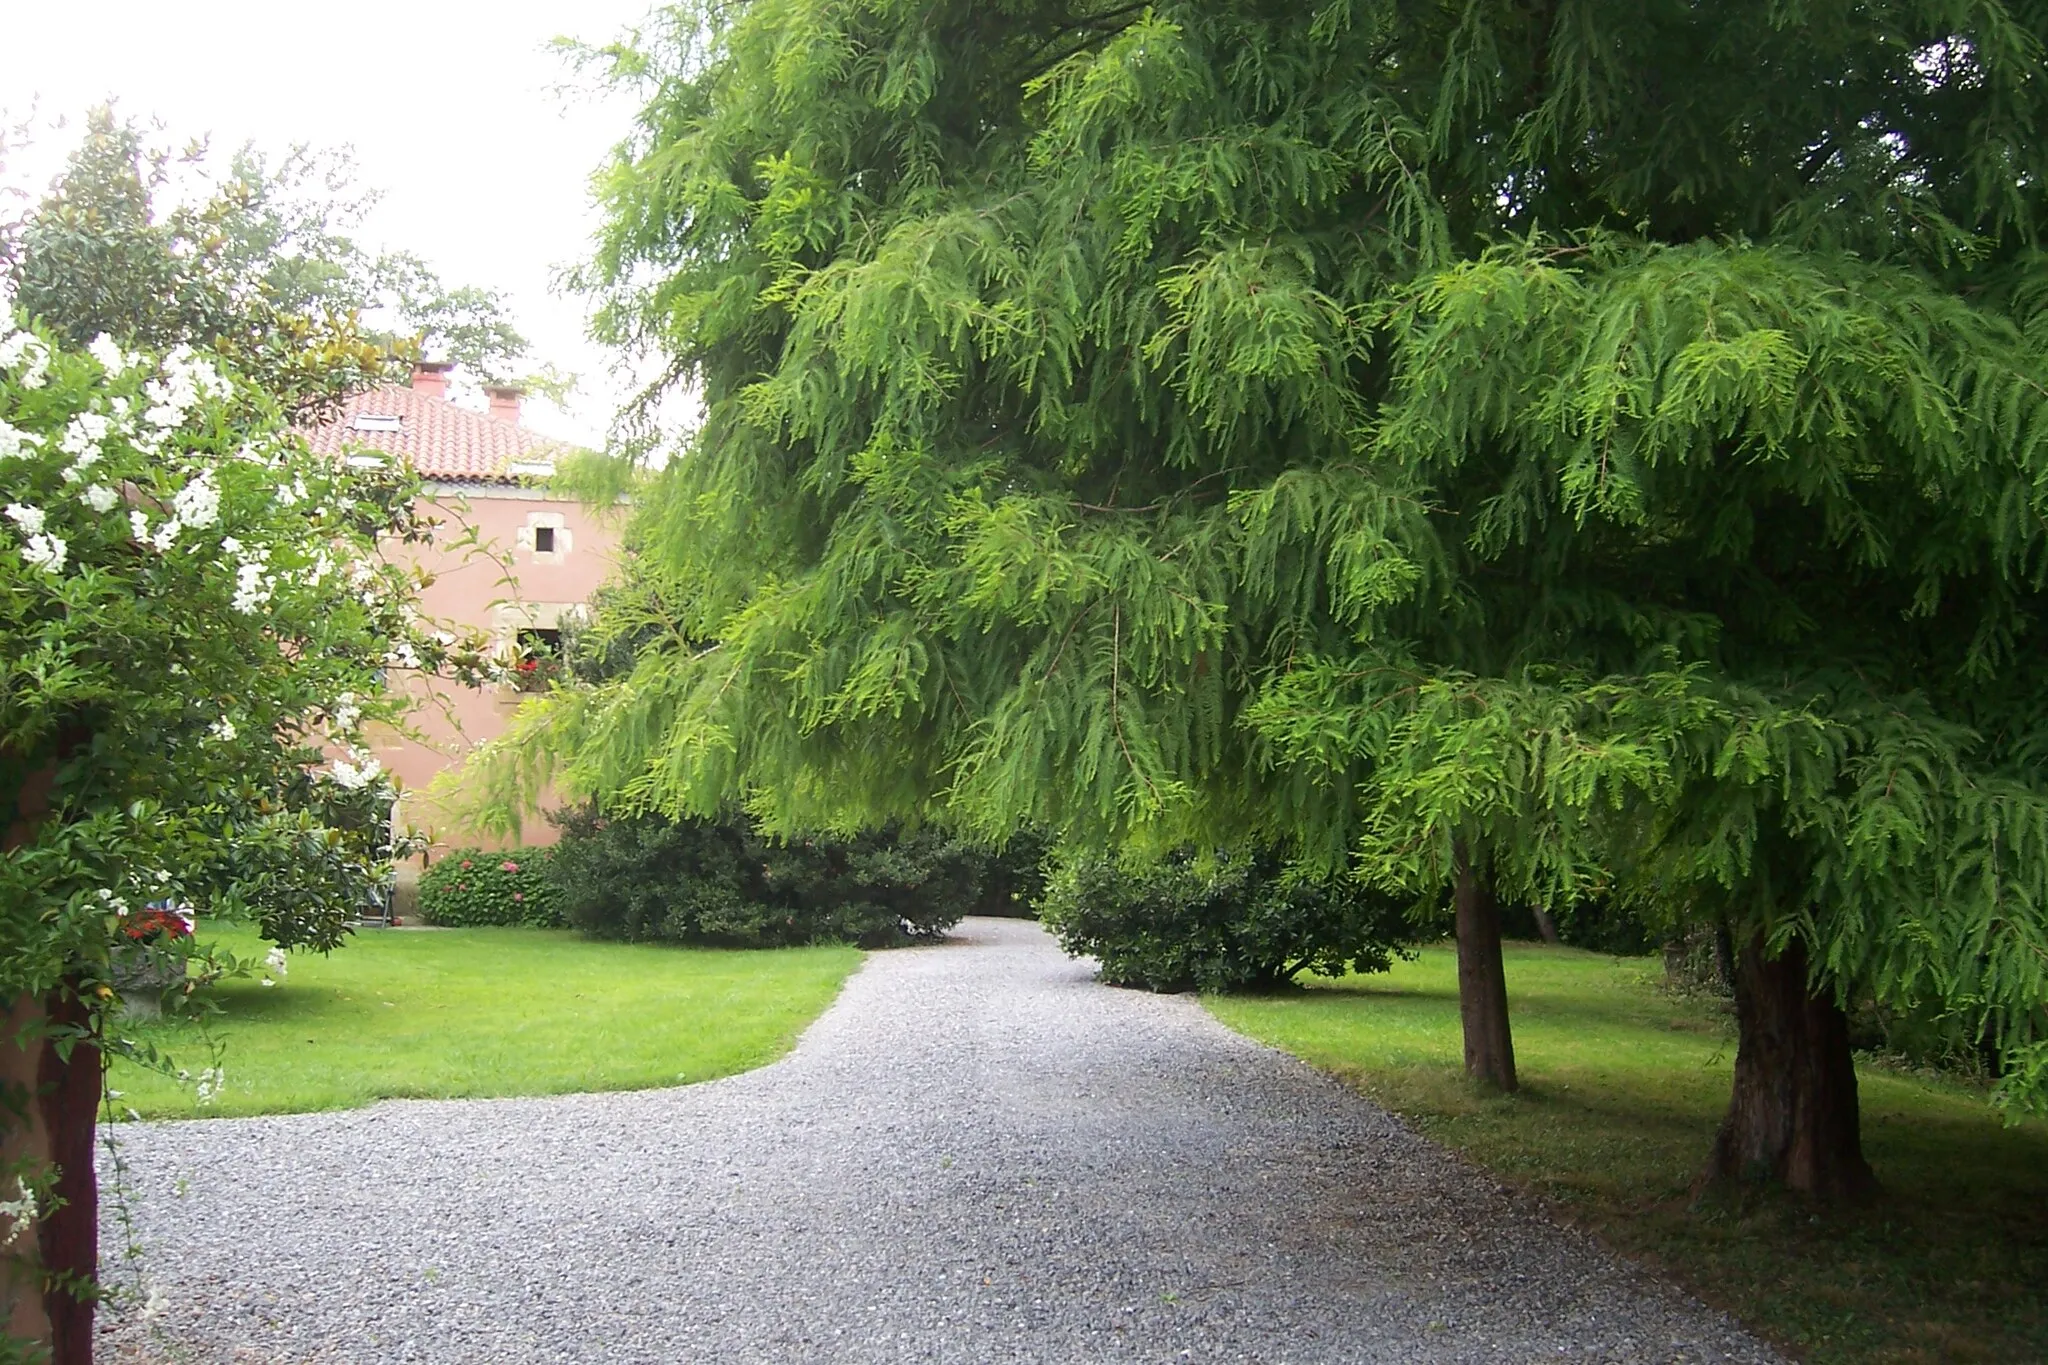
{"x": 1598, "y": 926}
{"x": 1012, "y": 878}
{"x": 1235, "y": 922}
{"x": 721, "y": 882}
{"x": 469, "y": 887}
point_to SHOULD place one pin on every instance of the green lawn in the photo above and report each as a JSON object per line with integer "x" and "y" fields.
{"x": 1624, "y": 1086}
{"x": 485, "y": 1012}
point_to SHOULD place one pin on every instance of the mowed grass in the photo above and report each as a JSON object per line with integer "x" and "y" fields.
{"x": 449, "y": 1013}
{"x": 1624, "y": 1086}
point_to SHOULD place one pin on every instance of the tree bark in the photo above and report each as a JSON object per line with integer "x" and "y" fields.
{"x": 1792, "y": 1119}
{"x": 1482, "y": 980}
{"x": 49, "y": 1113}
{"x": 70, "y": 1234}
{"x": 1546, "y": 925}
{"x": 24, "y": 1150}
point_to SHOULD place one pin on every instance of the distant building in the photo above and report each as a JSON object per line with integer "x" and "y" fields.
{"x": 484, "y": 473}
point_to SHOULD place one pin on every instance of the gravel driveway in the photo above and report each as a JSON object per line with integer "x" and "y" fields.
{"x": 977, "y": 1154}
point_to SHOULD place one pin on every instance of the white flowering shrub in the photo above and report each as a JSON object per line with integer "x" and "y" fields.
{"x": 196, "y": 623}
{"x": 196, "y": 626}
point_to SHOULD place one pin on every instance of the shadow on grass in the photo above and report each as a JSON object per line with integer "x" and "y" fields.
{"x": 1624, "y": 1087}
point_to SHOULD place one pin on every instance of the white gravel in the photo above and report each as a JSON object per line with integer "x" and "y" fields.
{"x": 978, "y": 1154}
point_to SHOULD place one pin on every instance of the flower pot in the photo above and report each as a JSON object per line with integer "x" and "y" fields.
{"x": 142, "y": 973}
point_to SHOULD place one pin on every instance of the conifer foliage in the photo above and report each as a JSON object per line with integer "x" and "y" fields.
{"x": 1541, "y": 448}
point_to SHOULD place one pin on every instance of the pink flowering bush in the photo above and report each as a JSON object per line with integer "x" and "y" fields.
{"x": 467, "y": 888}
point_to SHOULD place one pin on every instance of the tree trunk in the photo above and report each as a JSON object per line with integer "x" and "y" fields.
{"x": 70, "y": 1239}
{"x": 1546, "y": 925}
{"x": 49, "y": 1111}
{"x": 1482, "y": 980}
{"x": 24, "y": 1151}
{"x": 1724, "y": 957}
{"x": 1792, "y": 1119}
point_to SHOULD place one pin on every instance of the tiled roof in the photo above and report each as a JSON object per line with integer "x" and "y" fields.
{"x": 438, "y": 438}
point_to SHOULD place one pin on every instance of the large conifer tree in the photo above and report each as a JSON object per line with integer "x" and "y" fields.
{"x": 1540, "y": 449}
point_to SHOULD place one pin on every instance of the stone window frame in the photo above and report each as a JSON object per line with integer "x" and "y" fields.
{"x": 564, "y": 537}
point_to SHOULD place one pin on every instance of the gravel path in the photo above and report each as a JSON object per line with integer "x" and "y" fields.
{"x": 976, "y": 1155}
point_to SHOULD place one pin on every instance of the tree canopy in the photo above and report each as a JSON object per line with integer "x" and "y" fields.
{"x": 254, "y": 257}
{"x": 1597, "y": 446}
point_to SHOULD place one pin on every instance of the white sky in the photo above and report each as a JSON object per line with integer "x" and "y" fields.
{"x": 457, "y": 111}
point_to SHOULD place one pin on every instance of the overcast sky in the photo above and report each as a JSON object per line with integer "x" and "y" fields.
{"x": 454, "y": 108}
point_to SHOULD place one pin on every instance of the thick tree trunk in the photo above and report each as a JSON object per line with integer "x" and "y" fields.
{"x": 1793, "y": 1117}
{"x": 49, "y": 1110}
{"x": 1482, "y": 980}
{"x": 24, "y": 1150}
{"x": 70, "y": 1241}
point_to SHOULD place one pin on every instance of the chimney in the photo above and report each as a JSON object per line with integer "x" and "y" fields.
{"x": 430, "y": 378}
{"x": 505, "y": 401}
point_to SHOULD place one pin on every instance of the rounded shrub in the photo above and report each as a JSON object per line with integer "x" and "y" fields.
{"x": 470, "y": 887}
{"x": 721, "y": 882}
{"x": 1236, "y": 921}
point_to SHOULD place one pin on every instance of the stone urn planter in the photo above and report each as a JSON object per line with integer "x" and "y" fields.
{"x": 143, "y": 973}
{"x": 145, "y": 961}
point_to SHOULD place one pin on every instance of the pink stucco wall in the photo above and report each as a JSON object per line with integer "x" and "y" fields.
{"x": 468, "y": 589}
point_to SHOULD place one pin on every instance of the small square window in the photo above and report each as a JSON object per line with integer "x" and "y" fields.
{"x": 543, "y": 540}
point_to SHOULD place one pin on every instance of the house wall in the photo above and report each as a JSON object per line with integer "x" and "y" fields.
{"x": 469, "y": 589}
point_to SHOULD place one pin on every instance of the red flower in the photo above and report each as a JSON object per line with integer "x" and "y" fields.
{"x": 528, "y": 665}
{"x": 467, "y": 864}
{"x": 150, "y": 925}
{"x": 517, "y": 896}
{"x": 508, "y": 866}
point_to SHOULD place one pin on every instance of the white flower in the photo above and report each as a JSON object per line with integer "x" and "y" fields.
{"x": 355, "y": 776}
{"x": 209, "y": 1084}
{"x": 223, "y": 730}
{"x": 45, "y": 552}
{"x": 14, "y": 441}
{"x": 230, "y": 546}
{"x": 111, "y": 357}
{"x": 83, "y": 433}
{"x": 154, "y": 1306}
{"x": 165, "y": 535}
{"x": 24, "y": 351}
{"x": 21, "y": 1212}
{"x": 276, "y": 963}
{"x": 345, "y": 713}
{"x": 100, "y": 498}
{"x": 139, "y": 525}
{"x": 252, "y": 588}
{"x": 402, "y": 655}
{"x": 29, "y": 519}
{"x": 197, "y": 504}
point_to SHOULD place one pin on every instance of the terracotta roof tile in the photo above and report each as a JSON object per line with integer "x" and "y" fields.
{"x": 439, "y": 439}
